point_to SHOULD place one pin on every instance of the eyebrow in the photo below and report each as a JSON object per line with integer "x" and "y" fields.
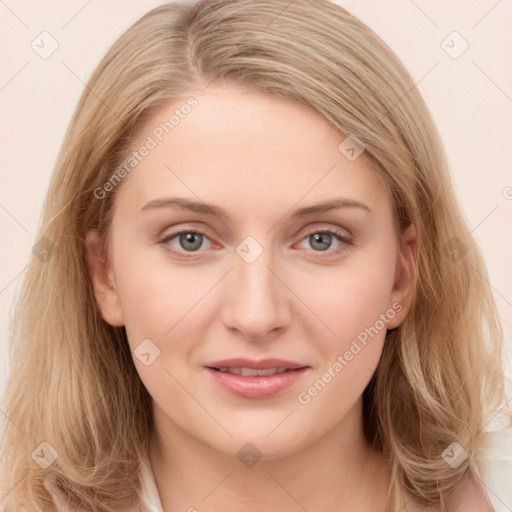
{"x": 216, "y": 211}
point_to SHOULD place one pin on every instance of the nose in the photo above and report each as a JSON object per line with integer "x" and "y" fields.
{"x": 255, "y": 297}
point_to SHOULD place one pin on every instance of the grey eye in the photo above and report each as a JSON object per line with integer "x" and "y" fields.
{"x": 322, "y": 241}
{"x": 190, "y": 241}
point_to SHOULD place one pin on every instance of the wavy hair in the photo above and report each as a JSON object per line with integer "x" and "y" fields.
{"x": 72, "y": 381}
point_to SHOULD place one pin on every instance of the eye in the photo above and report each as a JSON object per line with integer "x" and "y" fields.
{"x": 191, "y": 241}
{"x": 321, "y": 240}
{"x": 188, "y": 240}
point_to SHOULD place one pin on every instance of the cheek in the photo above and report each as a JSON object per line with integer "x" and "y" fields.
{"x": 353, "y": 298}
{"x": 359, "y": 324}
{"x": 158, "y": 309}
{"x": 358, "y": 316}
{"x": 355, "y": 306}
{"x": 153, "y": 296}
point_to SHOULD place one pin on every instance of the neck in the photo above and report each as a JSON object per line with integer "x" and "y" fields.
{"x": 339, "y": 467}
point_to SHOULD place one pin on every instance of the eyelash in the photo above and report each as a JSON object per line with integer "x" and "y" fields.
{"x": 342, "y": 237}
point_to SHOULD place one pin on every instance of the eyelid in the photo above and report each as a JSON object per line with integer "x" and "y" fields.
{"x": 332, "y": 229}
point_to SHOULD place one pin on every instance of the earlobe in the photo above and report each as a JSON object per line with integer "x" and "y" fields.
{"x": 102, "y": 281}
{"x": 403, "y": 287}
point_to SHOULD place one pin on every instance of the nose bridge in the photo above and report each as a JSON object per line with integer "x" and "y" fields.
{"x": 255, "y": 303}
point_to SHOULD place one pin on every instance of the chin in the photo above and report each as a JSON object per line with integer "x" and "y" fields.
{"x": 258, "y": 444}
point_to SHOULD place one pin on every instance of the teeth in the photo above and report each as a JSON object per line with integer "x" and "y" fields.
{"x": 249, "y": 372}
{"x": 252, "y": 372}
{"x": 268, "y": 371}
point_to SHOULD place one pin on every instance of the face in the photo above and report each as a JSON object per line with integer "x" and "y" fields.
{"x": 265, "y": 303}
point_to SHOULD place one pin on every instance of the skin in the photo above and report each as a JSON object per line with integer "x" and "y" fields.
{"x": 259, "y": 157}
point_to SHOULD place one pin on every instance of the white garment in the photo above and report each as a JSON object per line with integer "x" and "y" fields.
{"x": 494, "y": 464}
{"x": 151, "y": 498}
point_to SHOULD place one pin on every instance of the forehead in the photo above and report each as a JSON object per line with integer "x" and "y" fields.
{"x": 246, "y": 148}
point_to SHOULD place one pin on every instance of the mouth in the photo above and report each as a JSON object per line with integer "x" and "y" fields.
{"x": 255, "y": 379}
{"x": 252, "y": 372}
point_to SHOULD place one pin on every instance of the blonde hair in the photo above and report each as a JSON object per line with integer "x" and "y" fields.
{"x": 72, "y": 380}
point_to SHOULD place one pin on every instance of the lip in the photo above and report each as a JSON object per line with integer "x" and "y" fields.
{"x": 256, "y": 387}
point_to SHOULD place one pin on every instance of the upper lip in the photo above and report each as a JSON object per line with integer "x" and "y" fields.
{"x": 262, "y": 364}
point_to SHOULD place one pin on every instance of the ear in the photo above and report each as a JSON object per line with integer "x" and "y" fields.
{"x": 102, "y": 280}
{"x": 403, "y": 286}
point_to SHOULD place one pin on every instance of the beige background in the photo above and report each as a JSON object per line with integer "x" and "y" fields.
{"x": 470, "y": 98}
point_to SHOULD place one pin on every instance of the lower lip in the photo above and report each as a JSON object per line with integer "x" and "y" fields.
{"x": 256, "y": 387}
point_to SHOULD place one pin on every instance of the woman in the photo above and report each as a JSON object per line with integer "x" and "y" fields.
{"x": 258, "y": 369}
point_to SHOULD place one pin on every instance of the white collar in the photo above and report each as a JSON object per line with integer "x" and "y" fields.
{"x": 151, "y": 498}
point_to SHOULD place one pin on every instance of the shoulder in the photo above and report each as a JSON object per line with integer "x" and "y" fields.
{"x": 493, "y": 467}
{"x": 486, "y": 486}
{"x": 470, "y": 495}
